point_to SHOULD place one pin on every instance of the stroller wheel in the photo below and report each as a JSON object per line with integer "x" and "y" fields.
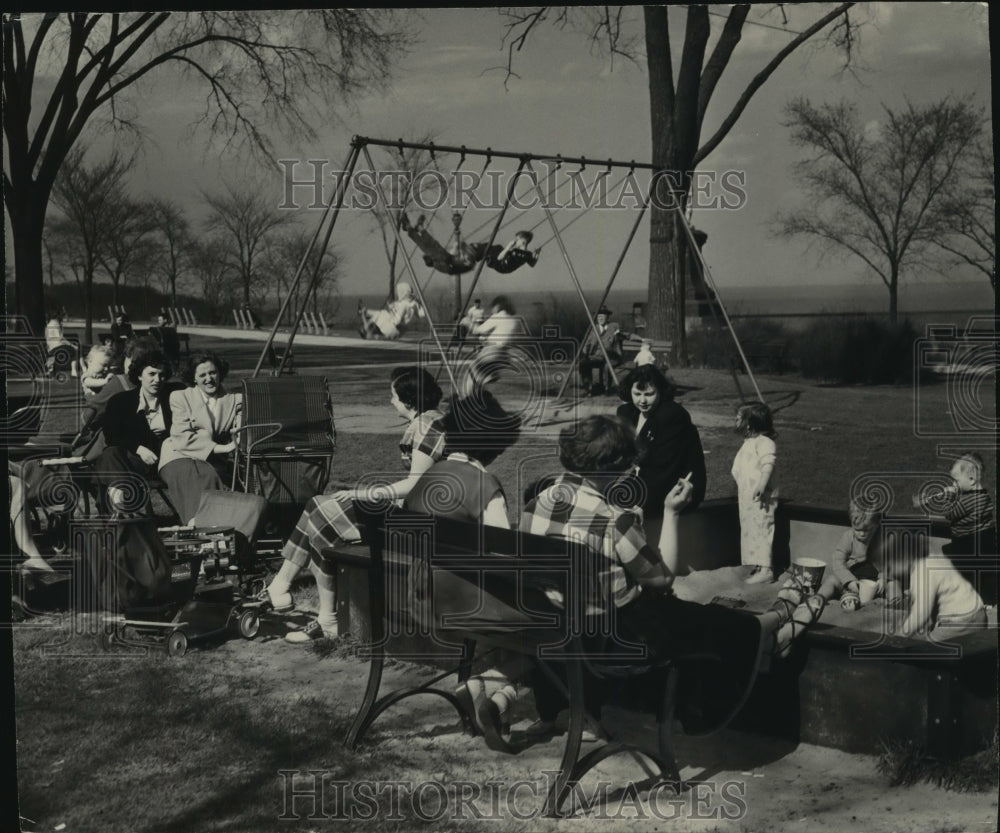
{"x": 249, "y": 624}
{"x": 177, "y": 644}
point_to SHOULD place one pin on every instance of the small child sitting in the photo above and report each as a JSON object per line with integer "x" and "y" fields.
{"x": 97, "y": 370}
{"x": 645, "y": 355}
{"x": 943, "y": 603}
{"x": 968, "y": 508}
{"x": 857, "y": 571}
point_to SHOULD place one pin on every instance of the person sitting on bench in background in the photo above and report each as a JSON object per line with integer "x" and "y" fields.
{"x": 610, "y": 336}
{"x": 477, "y": 430}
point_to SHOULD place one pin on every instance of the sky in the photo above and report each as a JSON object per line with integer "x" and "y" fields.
{"x": 568, "y": 100}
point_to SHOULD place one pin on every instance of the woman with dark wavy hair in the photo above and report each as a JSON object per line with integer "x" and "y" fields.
{"x": 197, "y": 455}
{"x": 669, "y": 445}
{"x": 136, "y": 423}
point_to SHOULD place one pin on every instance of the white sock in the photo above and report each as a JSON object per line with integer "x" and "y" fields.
{"x": 282, "y": 582}
{"x": 326, "y": 588}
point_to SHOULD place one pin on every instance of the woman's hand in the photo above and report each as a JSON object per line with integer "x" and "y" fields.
{"x": 146, "y": 455}
{"x": 224, "y": 448}
{"x": 678, "y": 497}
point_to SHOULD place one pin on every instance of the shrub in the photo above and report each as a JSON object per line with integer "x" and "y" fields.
{"x": 856, "y": 351}
{"x": 712, "y": 346}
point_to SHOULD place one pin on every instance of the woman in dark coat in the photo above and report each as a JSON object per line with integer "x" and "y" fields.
{"x": 669, "y": 445}
{"x": 135, "y": 424}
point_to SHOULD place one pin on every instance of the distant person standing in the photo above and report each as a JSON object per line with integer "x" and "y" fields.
{"x": 121, "y": 331}
{"x": 165, "y": 334}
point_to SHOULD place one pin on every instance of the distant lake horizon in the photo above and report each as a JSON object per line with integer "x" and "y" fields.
{"x": 867, "y": 299}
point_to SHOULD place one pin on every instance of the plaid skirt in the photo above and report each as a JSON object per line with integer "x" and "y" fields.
{"x": 325, "y": 522}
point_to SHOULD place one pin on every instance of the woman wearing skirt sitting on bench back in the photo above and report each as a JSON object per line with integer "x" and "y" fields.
{"x": 329, "y": 519}
{"x": 584, "y": 505}
{"x": 477, "y": 430}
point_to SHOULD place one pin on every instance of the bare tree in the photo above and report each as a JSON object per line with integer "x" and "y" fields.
{"x": 679, "y": 105}
{"x": 256, "y": 69}
{"x": 243, "y": 217}
{"x": 174, "y": 233}
{"x": 281, "y": 261}
{"x": 971, "y": 205}
{"x": 879, "y": 193}
{"x": 88, "y": 197}
{"x": 214, "y": 274}
{"x": 130, "y": 248}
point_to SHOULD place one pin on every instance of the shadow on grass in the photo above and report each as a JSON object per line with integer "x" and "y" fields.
{"x": 164, "y": 745}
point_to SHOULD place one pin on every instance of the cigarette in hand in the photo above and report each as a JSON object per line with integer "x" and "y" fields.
{"x": 687, "y": 477}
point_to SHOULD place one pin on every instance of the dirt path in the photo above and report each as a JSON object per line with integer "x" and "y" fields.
{"x": 751, "y": 783}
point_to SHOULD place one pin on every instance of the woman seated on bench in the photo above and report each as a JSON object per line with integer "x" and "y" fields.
{"x": 197, "y": 455}
{"x": 477, "y": 430}
{"x": 329, "y": 519}
{"x": 136, "y": 422}
{"x": 583, "y": 505}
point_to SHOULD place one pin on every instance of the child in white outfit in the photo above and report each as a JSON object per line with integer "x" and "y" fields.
{"x": 756, "y": 488}
{"x": 943, "y": 603}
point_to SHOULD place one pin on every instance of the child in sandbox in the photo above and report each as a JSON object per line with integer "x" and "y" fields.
{"x": 391, "y": 321}
{"x": 968, "y": 508}
{"x": 943, "y": 604}
{"x": 857, "y": 572}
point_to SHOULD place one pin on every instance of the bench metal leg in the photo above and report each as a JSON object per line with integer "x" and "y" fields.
{"x": 574, "y": 770}
{"x": 571, "y": 753}
{"x": 371, "y": 708}
{"x": 364, "y": 718}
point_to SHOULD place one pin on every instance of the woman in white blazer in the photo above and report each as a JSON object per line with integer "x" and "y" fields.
{"x": 197, "y": 454}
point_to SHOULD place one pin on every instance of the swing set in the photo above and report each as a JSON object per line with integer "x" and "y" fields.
{"x": 525, "y": 165}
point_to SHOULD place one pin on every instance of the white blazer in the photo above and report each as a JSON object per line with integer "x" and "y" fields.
{"x": 191, "y": 433}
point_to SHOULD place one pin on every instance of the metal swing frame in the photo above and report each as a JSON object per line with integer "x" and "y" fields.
{"x": 360, "y": 145}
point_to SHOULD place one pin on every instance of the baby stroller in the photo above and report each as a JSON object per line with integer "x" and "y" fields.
{"x": 152, "y": 599}
{"x": 224, "y": 535}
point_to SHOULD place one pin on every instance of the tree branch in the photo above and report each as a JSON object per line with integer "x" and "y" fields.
{"x": 758, "y": 80}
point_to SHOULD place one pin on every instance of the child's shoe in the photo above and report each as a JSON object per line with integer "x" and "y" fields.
{"x": 850, "y": 600}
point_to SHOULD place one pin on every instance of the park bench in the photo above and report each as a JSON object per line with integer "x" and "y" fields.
{"x": 832, "y": 691}
{"x": 451, "y": 593}
{"x": 660, "y": 347}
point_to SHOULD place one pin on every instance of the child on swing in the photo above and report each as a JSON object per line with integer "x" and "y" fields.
{"x": 460, "y": 257}
{"x": 390, "y": 322}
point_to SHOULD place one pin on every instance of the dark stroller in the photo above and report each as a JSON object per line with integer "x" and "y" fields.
{"x": 286, "y": 445}
{"x": 152, "y": 592}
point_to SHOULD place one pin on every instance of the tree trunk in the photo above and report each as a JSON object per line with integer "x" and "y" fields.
{"x": 29, "y": 276}
{"x": 893, "y": 297}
